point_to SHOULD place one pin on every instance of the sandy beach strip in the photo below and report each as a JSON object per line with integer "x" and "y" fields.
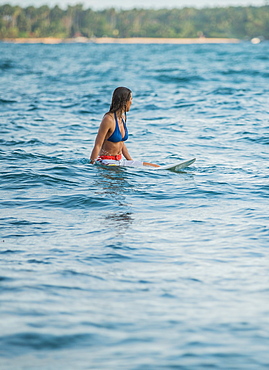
{"x": 131, "y": 40}
{"x": 151, "y": 40}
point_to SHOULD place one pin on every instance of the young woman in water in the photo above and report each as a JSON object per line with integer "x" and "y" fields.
{"x": 109, "y": 147}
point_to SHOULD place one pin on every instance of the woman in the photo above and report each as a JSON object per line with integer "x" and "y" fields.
{"x": 109, "y": 147}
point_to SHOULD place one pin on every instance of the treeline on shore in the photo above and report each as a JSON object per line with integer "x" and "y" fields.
{"x": 227, "y": 22}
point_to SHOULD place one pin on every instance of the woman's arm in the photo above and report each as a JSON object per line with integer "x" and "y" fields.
{"x": 100, "y": 138}
{"x": 126, "y": 153}
{"x": 129, "y": 158}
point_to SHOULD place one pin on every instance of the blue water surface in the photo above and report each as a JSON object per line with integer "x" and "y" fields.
{"x": 117, "y": 268}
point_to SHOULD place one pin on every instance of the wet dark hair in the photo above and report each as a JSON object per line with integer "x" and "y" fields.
{"x": 120, "y": 97}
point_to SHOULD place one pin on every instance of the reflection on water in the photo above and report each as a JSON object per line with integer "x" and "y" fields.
{"x": 120, "y": 219}
{"x": 112, "y": 183}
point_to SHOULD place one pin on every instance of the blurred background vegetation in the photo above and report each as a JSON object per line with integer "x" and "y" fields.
{"x": 75, "y": 21}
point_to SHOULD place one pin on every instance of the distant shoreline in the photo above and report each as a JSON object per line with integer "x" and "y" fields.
{"x": 130, "y": 40}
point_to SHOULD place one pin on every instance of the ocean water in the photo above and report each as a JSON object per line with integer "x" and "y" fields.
{"x": 116, "y": 268}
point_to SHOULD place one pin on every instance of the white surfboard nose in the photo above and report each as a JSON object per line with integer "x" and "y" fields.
{"x": 177, "y": 166}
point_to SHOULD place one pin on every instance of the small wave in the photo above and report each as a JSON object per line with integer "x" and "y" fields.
{"x": 178, "y": 79}
{"x": 69, "y": 105}
{"x": 10, "y": 251}
{"x": 252, "y": 137}
{"x": 108, "y": 258}
{"x": 34, "y": 341}
{"x": 20, "y": 154}
{"x": 72, "y": 273}
{"x": 224, "y": 91}
{"x": 34, "y": 260}
{"x": 7, "y": 101}
{"x": 263, "y": 57}
{"x": 245, "y": 72}
{"x": 151, "y": 107}
{"x": 5, "y": 278}
{"x": 32, "y": 107}
{"x": 165, "y": 70}
{"x": 18, "y": 180}
{"x": 86, "y": 111}
{"x": 183, "y": 104}
{"x": 13, "y": 221}
{"x": 60, "y": 201}
{"x": 30, "y": 142}
{"x": 6, "y": 65}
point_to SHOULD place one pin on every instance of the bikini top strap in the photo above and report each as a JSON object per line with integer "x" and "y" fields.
{"x": 116, "y": 119}
{"x": 117, "y": 123}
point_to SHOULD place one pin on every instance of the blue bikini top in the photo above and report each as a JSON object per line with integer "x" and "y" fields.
{"x": 116, "y": 136}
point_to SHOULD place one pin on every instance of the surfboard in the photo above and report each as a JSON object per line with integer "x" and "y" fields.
{"x": 176, "y": 166}
{"x": 171, "y": 167}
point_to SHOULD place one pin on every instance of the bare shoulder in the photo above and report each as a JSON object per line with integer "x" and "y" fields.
{"x": 108, "y": 117}
{"x": 106, "y": 125}
{"x": 107, "y": 120}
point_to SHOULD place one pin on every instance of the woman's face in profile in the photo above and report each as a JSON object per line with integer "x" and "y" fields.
{"x": 129, "y": 103}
